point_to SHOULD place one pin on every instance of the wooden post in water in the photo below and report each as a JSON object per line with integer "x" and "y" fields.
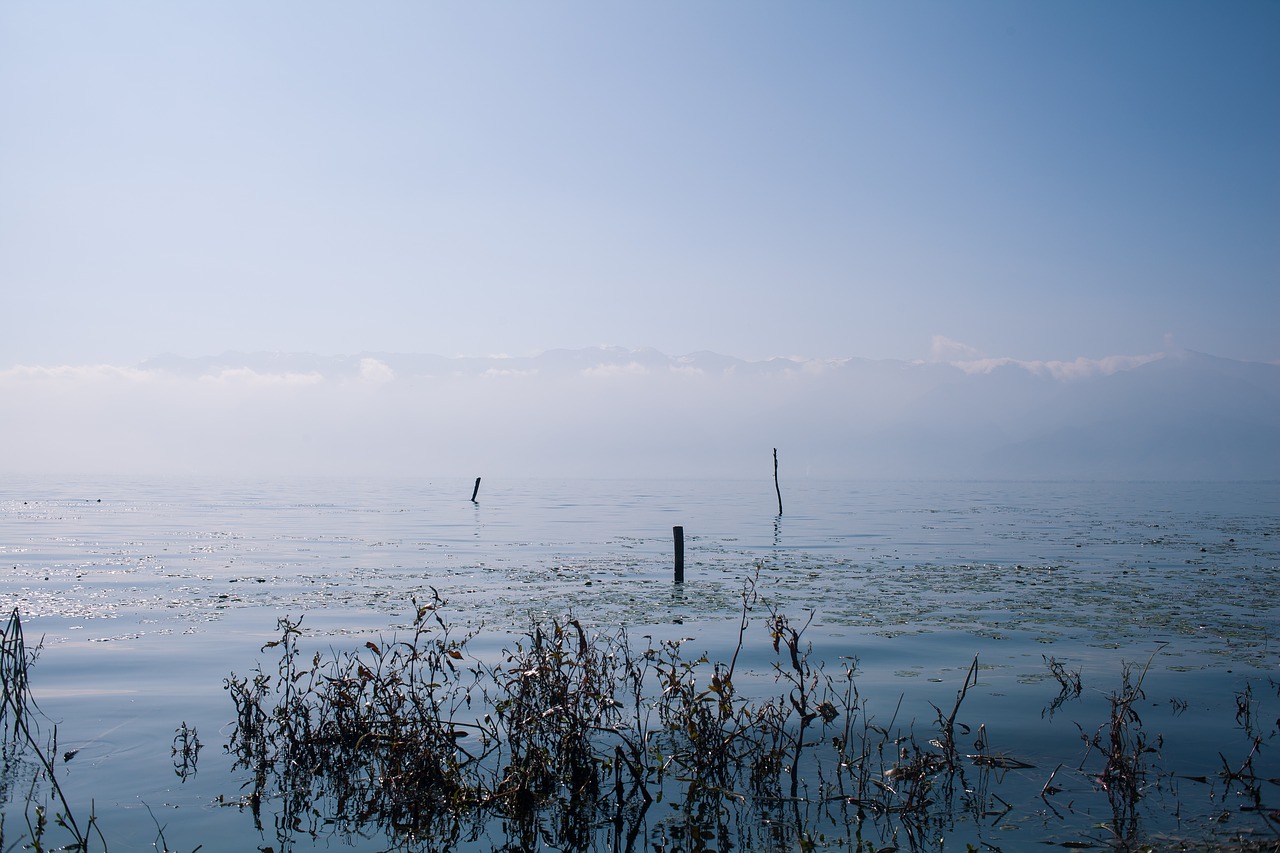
{"x": 678, "y": 532}
{"x": 476, "y": 490}
{"x": 776, "y": 488}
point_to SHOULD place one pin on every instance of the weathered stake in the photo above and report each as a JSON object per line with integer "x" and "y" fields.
{"x": 679, "y": 537}
{"x": 776, "y": 488}
{"x": 476, "y": 490}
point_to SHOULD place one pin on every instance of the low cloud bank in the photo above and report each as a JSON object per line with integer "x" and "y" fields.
{"x": 1062, "y": 370}
{"x": 622, "y": 413}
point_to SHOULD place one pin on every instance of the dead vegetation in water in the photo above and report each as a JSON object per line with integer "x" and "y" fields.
{"x": 582, "y": 740}
{"x": 31, "y": 758}
{"x": 22, "y": 743}
{"x": 574, "y": 738}
{"x": 567, "y": 733}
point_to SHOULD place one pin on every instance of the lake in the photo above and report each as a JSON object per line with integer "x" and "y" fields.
{"x": 148, "y": 595}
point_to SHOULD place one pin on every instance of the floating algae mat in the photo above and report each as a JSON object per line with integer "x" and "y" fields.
{"x": 922, "y": 665}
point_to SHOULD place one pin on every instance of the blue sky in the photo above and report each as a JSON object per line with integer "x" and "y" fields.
{"x": 1043, "y": 180}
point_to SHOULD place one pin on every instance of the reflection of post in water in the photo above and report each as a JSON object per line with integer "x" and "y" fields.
{"x": 777, "y": 532}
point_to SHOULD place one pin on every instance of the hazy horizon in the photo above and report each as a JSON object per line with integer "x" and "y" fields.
{"x": 982, "y": 239}
{"x": 940, "y": 350}
{"x": 601, "y": 412}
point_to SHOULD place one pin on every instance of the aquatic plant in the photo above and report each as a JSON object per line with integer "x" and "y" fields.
{"x": 1069, "y": 685}
{"x": 21, "y": 738}
{"x": 185, "y": 751}
{"x": 569, "y": 729}
{"x": 1124, "y": 745}
{"x": 570, "y": 733}
{"x": 570, "y": 737}
{"x": 379, "y": 731}
{"x": 15, "y": 660}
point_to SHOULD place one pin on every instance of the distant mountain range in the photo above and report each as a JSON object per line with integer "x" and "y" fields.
{"x": 1178, "y": 415}
{"x": 556, "y": 362}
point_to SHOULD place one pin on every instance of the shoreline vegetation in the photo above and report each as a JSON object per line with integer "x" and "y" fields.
{"x": 581, "y": 739}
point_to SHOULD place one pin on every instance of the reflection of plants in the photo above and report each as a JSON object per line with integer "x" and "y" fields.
{"x": 21, "y": 737}
{"x": 947, "y": 725}
{"x": 555, "y": 699}
{"x": 1124, "y": 747}
{"x": 1069, "y": 685}
{"x": 568, "y": 730}
{"x": 15, "y": 660}
{"x": 1244, "y": 710}
{"x": 382, "y": 733}
{"x": 574, "y": 735}
{"x": 186, "y": 751}
{"x": 803, "y": 685}
{"x": 563, "y": 715}
{"x": 571, "y": 734}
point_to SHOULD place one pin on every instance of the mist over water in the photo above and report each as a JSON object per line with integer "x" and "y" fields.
{"x": 624, "y": 413}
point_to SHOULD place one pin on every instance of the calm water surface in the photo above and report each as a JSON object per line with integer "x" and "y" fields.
{"x": 148, "y": 594}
